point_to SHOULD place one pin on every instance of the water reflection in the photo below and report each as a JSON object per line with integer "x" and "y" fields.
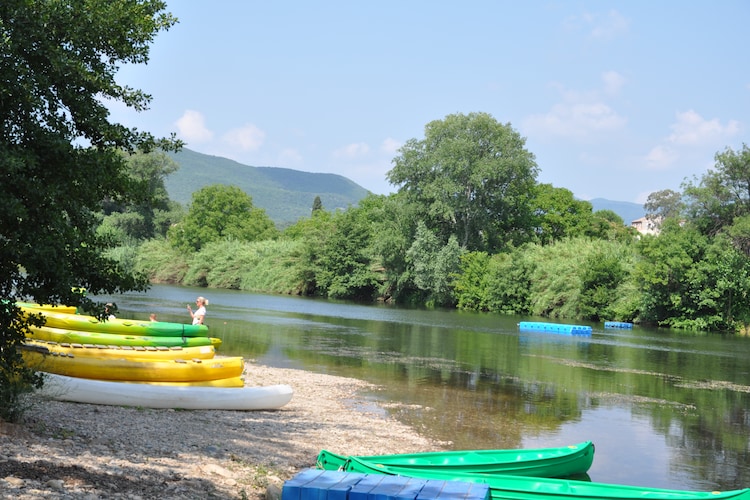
{"x": 664, "y": 409}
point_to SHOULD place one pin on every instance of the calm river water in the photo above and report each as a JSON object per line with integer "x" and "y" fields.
{"x": 664, "y": 409}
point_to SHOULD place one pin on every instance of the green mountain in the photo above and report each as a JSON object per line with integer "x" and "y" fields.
{"x": 285, "y": 194}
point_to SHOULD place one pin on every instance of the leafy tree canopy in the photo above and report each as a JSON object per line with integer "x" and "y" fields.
{"x": 662, "y": 204}
{"x": 59, "y": 153}
{"x": 722, "y": 193}
{"x": 219, "y": 212}
{"x": 557, "y": 214}
{"x": 151, "y": 212}
{"x": 472, "y": 178}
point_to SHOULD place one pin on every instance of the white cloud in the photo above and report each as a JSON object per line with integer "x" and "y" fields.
{"x": 692, "y": 129}
{"x": 692, "y": 135}
{"x": 661, "y": 157}
{"x": 390, "y": 146}
{"x": 581, "y": 114}
{"x": 246, "y": 138}
{"x": 191, "y": 127}
{"x": 609, "y": 26}
{"x": 576, "y": 120}
{"x": 351, "y": 151}
{"x": 600, "y": 26}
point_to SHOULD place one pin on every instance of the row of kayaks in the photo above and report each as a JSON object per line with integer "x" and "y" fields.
{"x": 139, "y": 363}
{"x": 66, "y": 319}
{"x": 525, "y": 474}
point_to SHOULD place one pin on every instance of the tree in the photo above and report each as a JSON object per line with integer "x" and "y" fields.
{"x": 663, "y": 204}
{"x": 435, "y": 266}
{"x": 472, "y": 178}
{"x": 722, "y": 194}
{"x": 345, "y": 263}
{"x": 733, "y": 168}
{"x": 668, "y": 275}
{"x": 317, "y": 204}
{"x": 394, "y": 224}
{"x": 600, "y": 278}
{"x": 313, "y": 232}
{"x": 219, "y": 212}
{"x": 152, "y": 212}
{"x": 557, "y": 214}
{"x": 60, "y": 157}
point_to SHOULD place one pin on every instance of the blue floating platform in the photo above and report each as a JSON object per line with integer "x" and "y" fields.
{"x": 536, "y": 326}
{"x": 617, "y": 324}
{"x": 316, "y": 484}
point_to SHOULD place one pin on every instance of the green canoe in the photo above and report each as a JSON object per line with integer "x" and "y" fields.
{"x": 97, "y": 338}
{"x": 83, "y": 323}
{"x": 564, "y": 461}
{"x": 537, "y": 488}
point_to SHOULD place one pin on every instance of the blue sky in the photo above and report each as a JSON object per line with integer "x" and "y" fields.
{"x": 615, "y": 99}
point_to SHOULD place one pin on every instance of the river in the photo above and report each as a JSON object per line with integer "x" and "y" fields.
{"x": 665, "y": 409}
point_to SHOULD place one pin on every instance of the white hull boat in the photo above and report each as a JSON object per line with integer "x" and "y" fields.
{"x": 179, "y": 396}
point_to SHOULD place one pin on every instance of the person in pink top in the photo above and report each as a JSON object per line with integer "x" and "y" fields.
{"x": 200, "y": 314}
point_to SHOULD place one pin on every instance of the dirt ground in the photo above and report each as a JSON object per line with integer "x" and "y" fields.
{"x": 78, "y": 451}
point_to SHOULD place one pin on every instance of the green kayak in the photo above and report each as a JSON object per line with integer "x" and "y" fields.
{"x": 564, "y": 461}
{"x": 81, "y": 322}
{"x": 63, "y": 336}
{"x": 537, "y": 488}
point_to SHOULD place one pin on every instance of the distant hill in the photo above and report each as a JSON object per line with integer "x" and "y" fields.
{"x": 625, "y": 209}
{"x": 285, "y": 194}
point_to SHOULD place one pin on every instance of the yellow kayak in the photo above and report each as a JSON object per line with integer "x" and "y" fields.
{"x": 48, "y": 307}
{"x": 177, "y": 370}
{"x": 233, "y": 382}
{"x": 153, "y": 353}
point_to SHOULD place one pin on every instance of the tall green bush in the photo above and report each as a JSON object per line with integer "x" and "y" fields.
{"x": 266, "y": 266}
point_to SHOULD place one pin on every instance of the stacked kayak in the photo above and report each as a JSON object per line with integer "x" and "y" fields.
{"x": 151, "y": 364}
{"x": 73, "y": 350}
{"x": 62, "y": 336}
{"x": 140, "y": 369}
{"x": 67, "y": 327}
{"x": 84, "y": 323}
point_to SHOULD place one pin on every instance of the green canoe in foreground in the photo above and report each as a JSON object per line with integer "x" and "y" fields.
{"x": 563, "y": 461}
{"x": 536, "y": 488}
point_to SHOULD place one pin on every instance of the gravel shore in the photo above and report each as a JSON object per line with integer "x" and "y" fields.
{"x": 78, "y": 451}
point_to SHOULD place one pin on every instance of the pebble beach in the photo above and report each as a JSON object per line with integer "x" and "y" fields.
{"x": 66, "y": 450}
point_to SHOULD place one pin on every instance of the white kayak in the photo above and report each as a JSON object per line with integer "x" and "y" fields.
{"x": 187, "y": 397}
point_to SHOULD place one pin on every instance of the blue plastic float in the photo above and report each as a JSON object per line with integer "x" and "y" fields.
{"x": 319, "y": 484}
{"x": 617, "y": 324}
{"x": 535, "y": 326}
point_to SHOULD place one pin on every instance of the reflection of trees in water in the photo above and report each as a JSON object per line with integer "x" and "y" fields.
{"x": 474, "y": 381}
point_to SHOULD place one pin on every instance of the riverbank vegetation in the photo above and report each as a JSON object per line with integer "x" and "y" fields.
{"x": 470, "y": 228}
